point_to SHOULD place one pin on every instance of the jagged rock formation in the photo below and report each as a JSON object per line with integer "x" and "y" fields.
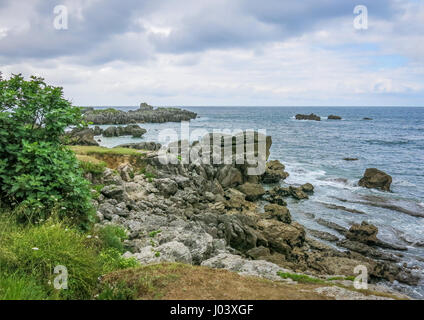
{"x": 130, "y": 130}
{"x": 145, "y": 114}
{"x": 209, "y": 214}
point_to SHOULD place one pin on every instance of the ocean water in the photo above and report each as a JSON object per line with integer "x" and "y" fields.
{"x": 313, "y": 152}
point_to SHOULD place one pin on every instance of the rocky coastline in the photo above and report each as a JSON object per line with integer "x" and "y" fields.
{"x": 145, "y": 114}
{"x": 217, "y": 215}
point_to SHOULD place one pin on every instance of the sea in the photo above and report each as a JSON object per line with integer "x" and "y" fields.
{"x": 314, "y": 152}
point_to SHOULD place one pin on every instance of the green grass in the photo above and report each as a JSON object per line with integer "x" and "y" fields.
{"x": 93, "y": 167}
{"x": 91, "y": 150}
{"x": 100, "y": 111}
{"x": 350, "y": 278}
{"x": 302, "y": 278}
{"x": 30, "y": 253}
{"x": 154, "y": 233}
{"x": 20, "y": 287}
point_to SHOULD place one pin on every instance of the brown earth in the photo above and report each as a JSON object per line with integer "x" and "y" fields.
{"x": 175, "y": 281}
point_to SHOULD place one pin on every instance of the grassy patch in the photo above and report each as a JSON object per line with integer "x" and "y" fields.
{"x": 302, "y": 278}
{"x": 92, "y": 150}
{"x": 94, "y": 167}
{"x": 101, "y": 111}
{"x": 20, "y": 287}
{"x": 145, "y": 282}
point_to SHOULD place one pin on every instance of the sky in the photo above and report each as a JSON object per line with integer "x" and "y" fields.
{"x": 219, "y": 53}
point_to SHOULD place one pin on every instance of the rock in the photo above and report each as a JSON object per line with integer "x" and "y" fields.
{"x": 97, "y": 131}
{"x": 126, "y": 171}
{"x": 258, "y": 252}
{"x": 252, "y": 191}
{"x": 339, "y": 293}
{"x": 374, "y": 178}
{"x": 145, "y": 106}
{"x": 146, "y": 114}
{"x": 350, "y": 159}
{"x": 167, "y": 186}
{"x": 173, "y": 251}
{"x": 114, "y": 192}
{"x": 274, "y": 211}
{"x": 364, "y": 233}
{"x": 333, "y": 226}
{"x": 274, "y": 172}
{"x": 307, "y": 187}
{"x": 282, "y": 237}
{"x": 308, "y": 117}
{"x": 229, "y": 176}
{"x": 81, "y": 137}
{"x": 258, "y": 268}
{"x": 367, "y": 250}
{"x": 367, "y": 233}
{"x": 323, "y": 235}
{"x": 130, "y": 130}
{"x": 298, "y": 193}
{"x": 333, "y": 117}
{"x": 150, "y": 146}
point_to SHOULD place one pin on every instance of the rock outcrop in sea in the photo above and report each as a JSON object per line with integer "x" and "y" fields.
{"x": 377, "y": 179}
{"x": 311, "y": 116}
{"x": 208, "y": 214}
{"x": 145, "y": 114}
{"x": 334, "y": 117}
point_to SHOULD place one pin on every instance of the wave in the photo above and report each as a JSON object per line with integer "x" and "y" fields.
{"x": 387, "y": 143}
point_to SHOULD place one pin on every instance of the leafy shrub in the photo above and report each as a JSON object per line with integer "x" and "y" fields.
{"x": 112, "y": 237}
{"x": 37, "y": 172}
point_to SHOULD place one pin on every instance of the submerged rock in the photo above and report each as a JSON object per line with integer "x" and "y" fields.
{"x": 377, "y": 179}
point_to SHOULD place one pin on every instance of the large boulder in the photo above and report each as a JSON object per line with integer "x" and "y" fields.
{"x": 311, "y": 116}
{"x": 274, "y": 172}
{"x": 81, "y": 137}
{"x": 364, "y": 232}
{"x": 377, "y": 179}
{"x": 282, "y": 237}
{"x": 253, "y": 191}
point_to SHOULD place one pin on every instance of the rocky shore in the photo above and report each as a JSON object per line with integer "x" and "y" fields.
{"x": 218, "y": 215}
{"x": 145, "y": 114}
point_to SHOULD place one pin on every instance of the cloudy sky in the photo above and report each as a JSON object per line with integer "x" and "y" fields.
{"x": 216, "y": 52}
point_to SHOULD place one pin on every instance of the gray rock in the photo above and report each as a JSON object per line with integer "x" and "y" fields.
{"x": 258, "y": 268}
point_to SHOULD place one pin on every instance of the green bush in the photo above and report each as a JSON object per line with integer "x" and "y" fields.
{"x": 38, "y": 173}
{"x": 112, "y": 237}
